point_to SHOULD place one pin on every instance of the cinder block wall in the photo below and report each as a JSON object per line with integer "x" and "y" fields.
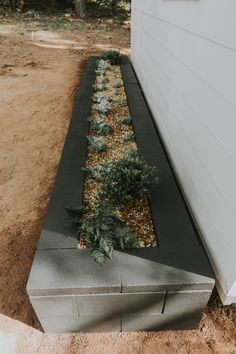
{"x": 184, "y": 53}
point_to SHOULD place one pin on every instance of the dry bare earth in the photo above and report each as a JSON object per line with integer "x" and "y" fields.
{"x": 37, "y": 83}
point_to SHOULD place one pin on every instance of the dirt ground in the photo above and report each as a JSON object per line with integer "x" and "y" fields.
{"x": 39, "y": 72}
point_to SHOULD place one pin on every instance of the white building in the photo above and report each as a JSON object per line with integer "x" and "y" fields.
{"x": 184, "y": 54}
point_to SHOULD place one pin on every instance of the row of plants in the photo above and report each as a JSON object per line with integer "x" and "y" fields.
{"x": 118, "y": 180}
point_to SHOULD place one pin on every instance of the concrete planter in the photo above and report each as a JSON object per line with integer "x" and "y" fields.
{"x": 164, "y": 287}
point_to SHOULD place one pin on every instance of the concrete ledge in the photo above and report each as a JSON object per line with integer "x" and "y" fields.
{"x": 164, "y": 287}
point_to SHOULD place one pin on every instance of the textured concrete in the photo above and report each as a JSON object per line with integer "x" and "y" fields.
{"x": 50, "y": 306}
{"x": 80, "y": 324}
{"x": 116, "y": 304}
{"x": 159, "y": 322}
{"x": 69, "y": 271}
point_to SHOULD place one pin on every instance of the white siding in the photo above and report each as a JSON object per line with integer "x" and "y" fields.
{"x": 184, "y": 53}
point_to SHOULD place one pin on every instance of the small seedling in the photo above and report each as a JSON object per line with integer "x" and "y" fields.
{"x": 99, "y": 98}
{"x": 128, "y": 137}
{"x": 97, "y": 143}
{"x": 99, "y": 87}
{"x": 113, "y": 56}
{"x": 99, "y": 126}
{"x": 125, "y": 120}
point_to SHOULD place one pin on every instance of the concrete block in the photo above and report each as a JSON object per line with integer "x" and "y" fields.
{"x": 184, "y": 303}
{"x": 50, "y": 306}
{"x": 159, "y": 322}
{"x": 71, "y": 271}
{"x": 80, "y": 324}
{"x": 55, "y": 240}
{"x": 117, "y": 304}
{"x": 141, "y": 275}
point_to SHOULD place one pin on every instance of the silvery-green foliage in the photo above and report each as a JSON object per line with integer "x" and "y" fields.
{"x": 127, "y": 137}
{"x": 97, "y": 143}
{"x": 99, "y": 87}
{"x": 99, "y": 171}
{"x": 102, "y": 66}
{"x": 99, "y": 98}
{"x": 103, "y": 105}
{"x": 124, "y": 120}
{"x": 100, "y": 126}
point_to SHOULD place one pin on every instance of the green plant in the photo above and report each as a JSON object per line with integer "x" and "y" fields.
{"x": 105, "y": 232}
{"x": 103, "y": 105}
{"x": 117, "y": 85}
{"x": 113, "y": 56}
{"x": 128, "y": 179}
{"x": 102, "y": 66}
{"x": 97, "y": 171}
{"x": 97, "y": 143}
{"x": 99, "y": 87}
{"x": 129, "y": 136}
{"x": 124, "y": 120}
{"x": 100, "y": 126}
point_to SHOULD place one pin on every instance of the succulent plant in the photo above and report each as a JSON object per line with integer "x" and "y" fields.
{"x": 124, "y": 120}
{"x": 128, "y": 137}
{"x": 97, "y": 143}
{"x": 100, "y": 126}
{"x": 103, "y": 105}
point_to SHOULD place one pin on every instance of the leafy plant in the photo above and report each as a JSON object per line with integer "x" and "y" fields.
{"x": 105, "y": 232}
{"x": 125, "y": 120}
{"x": 98, "y": 172}
{"x": 113, "y": 56}
{"x": 128, "y": 179}
{"x": 103, "y": 105}
{"x": 129, "y": 136}
{"x": 102, "y": 66}
{"x": 100, "y": 126}
{"x": 99, "y": 87}
{"x": 117, "y": 85}
{"x": 97, "y": 143}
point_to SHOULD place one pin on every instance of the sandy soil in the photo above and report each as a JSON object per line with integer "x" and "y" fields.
{"x": 38, "y": 75}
